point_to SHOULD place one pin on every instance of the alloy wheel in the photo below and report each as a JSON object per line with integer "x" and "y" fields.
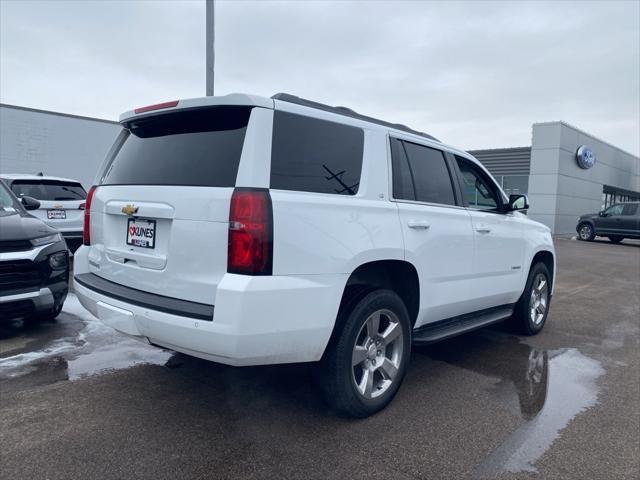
{"x": 377, "y": 354}
{"x": 585, "y": 232}
{"x": 539, "y": 298}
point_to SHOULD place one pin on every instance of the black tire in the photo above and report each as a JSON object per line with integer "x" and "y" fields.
{"x": 336, "y": 373}
{"x": 522, "y": 320}
{"x": 586, "y": 233}
{"x": 615, "y": 238}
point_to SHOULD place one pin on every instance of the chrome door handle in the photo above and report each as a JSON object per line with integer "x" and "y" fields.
{"x": 418, "y": 225}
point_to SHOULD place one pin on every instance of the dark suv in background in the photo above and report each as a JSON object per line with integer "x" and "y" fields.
{"x": 617, "y": 222}
{"x": 34, "y": 262}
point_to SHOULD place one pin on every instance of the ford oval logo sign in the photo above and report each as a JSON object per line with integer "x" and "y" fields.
{"x": 585, "y": 157}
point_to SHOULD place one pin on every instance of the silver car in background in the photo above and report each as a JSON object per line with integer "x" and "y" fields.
{"x": 62, "y": 202}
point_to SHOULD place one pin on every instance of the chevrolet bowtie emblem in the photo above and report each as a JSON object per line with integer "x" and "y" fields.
{"x": 58, "y": 205}
{"x": 129, "y": 210}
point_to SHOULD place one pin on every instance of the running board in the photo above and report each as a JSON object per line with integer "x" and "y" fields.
{"x": 450, "y": 327}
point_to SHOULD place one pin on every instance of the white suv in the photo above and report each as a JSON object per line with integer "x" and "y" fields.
{"x": 248, "y": 231}
{"x": 62, "y": 202}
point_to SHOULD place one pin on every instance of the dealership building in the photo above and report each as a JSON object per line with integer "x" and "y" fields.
{"x": 561, "y": 183}
{"x": 565, "y": 172}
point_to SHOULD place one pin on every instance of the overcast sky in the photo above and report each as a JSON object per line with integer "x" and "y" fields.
{"x": 474, "y": 74}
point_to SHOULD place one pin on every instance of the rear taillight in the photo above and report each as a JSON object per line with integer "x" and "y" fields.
{"x": 250, "y": 232}
{"x": 86, "y": 228}
{"x": 81, "y": 206}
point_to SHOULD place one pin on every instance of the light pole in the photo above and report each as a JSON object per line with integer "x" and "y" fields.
{"x": 210, "y": 39}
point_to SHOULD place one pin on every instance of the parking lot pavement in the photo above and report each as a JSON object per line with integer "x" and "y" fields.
{"x": 79, "y": 401}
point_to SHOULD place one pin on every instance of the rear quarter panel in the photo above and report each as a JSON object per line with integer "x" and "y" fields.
{"x": 322, "y": 234}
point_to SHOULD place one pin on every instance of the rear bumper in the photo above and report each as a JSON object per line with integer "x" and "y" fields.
{"x": 139, "y": 298}
{"x": 256, "y": 321}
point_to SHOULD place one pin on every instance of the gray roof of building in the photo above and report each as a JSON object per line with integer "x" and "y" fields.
{"x": 505, "y": 161}
{"x": 50, "y": 112}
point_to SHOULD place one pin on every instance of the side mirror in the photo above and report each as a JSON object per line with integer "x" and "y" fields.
{"x": 602, "y": 214}
{"x": 518, "y": 202}
{"x": 30, "y": 203}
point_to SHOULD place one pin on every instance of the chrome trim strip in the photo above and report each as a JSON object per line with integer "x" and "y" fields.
{"x": 26, "y": 254}
{"x": 428, "y": 204}
{"x": 43, "y": 292}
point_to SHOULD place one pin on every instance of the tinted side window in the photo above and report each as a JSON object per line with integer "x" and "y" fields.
{"x": 312, "y": 155}
{"x": 630, "y": 209}
{"x": 420, "y": 173}
{"x": 430, "y": 174}
{"x": 478, "y": 192}
{"x": 614, "y": 210}
{"x": 403, "y": 188}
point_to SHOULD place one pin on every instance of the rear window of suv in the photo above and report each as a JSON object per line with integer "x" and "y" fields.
{"x": 313, "y": 155}
{"x": 48, "y": 190}
{"x": 194, "y": 147}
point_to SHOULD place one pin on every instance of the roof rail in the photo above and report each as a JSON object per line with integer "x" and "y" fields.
{"x": 347, "y": 112}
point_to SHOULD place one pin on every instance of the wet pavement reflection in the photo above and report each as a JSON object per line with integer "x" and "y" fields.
{"x": 523, "y": 371}
{"x": 75, "y": 346}
{"x": 571, "y": 388}
{"x": 545, "y": 389}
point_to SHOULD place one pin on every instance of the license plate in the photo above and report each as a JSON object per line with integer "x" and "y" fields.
{"x": 141, "y": 233}
{"x": 56, "y": 214}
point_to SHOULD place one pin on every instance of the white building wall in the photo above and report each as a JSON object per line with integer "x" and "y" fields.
{"x": 559, "y": 190}
{"x": 33, "y": 141}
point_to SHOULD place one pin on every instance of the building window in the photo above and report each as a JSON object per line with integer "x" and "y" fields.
{"x": 515, "y": 184}
{"x": 612, "y": 195}
{"x": 479, "y": 191}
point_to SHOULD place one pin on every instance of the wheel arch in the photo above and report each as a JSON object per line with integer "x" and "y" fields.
{"x": 588, "y": 221}
{"x": 399, "y": 276}
{"x": 547, "y": 257}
